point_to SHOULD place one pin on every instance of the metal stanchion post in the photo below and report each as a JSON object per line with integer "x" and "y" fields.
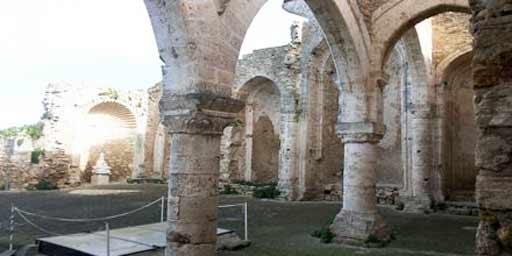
{"x": 246, "y": 232}
{"x": 107, "y": 229}
{"x": 162, "y": 210}
{"x": 11, "y": 229}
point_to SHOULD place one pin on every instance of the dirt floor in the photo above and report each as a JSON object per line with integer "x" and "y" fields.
{"x": 275, "y": 228}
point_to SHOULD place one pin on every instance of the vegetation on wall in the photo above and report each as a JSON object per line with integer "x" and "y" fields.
{"x": 36, "y": 155}
{"x": 262, "y": 189}
{"x": 111, "y": 93}
{"x": 34, "y": 131}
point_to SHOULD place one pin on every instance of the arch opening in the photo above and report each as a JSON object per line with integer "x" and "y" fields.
{"x": 110, "y": 128}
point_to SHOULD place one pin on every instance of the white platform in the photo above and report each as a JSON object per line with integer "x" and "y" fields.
{"x": 123, "y": 241}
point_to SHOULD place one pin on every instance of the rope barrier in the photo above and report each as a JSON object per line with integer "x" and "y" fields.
{"x": 88, "y": 219}
{"x": 46, "y": 231}
{"x": 24, "y": 215}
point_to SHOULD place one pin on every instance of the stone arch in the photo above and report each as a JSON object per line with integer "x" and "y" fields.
{"x": 246, "y": 88}
{"x": 348, "y": 40}
{"x": 447, "y": 63}
{"x": 396, "y": 17}
{"x": 262, "y": 120}
{"x": 121, "y": 138}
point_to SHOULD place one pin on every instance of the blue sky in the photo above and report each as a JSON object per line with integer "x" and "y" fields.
{"x": 98, "y": 42}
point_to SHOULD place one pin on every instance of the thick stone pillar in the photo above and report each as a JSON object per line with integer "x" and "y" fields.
{"x": 422, "y": 158}
{"x": 492, "y": 74}
{"x": 359, "y": 219}
{"x": 194, "y": 172}
{"x": 288, "y": 157}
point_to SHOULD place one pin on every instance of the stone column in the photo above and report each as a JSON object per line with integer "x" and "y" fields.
{"x": 194, "y": 172}
{"x": 359, "y": 219}
{"x": 249, "y": 125}
{"x": 422, "y": 157}
{"x": 138, "y": 157}
{"x": 492, "y": 74}
{"x": 288, "y": 156}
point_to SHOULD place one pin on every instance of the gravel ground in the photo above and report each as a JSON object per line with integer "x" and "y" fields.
{"x": 275, "y": 228}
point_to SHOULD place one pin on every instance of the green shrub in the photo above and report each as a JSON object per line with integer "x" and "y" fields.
{"x": 46, "y": 185}
{"x": 36, "y": 155}
{"x": 267, "y": 191}
{"x": 324, "y": 234}
{"x": 110, "y": 93}
{"x": 20, "y": 142}
{"x": 228, "y": 190}
{"x": 34, "y": 131}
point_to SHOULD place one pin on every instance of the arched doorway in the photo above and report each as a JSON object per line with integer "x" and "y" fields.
{"x": 110, "y": 128}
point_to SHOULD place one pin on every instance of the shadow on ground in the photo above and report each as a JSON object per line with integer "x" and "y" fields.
{"x": 275, "y": 228}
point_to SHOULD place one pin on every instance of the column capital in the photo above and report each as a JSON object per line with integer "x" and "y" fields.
{"x": 199, "y": 113}
{"x": 360, "y": 132}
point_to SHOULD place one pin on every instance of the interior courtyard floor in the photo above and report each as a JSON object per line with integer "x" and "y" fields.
{"x": 275, "y": 227}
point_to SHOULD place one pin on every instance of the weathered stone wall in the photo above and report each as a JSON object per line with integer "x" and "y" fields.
{"x": 18, "y": 171}
{"x": 450, "y": 35}
{"x": 232, "y": 154}
{"x": 68, "y": 109}
{"x": 119, "y": 155}
{"x": 460, "y": 134}
{"x": 390, "y": 163}
{"x": 152, "y": 133}
{"x": 492, "y": 77}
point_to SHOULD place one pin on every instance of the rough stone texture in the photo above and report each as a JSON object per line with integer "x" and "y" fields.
{"x": 265, "y": 153}
{"x": 231, "y": 153}
{"x": 153, "y": 135}
{"x": 460, "y": 132}
{"x": 73, "y": 111}
{"x": 492, "y": 76}
{"x": 450, "y": 34}
{"x": 119, "y": 156}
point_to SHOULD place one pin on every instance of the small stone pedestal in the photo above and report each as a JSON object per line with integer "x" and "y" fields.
{"x": 101, "y": 172}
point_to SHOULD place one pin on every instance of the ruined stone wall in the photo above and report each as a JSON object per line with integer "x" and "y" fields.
{"x": 67, "y": 110}
{"x": 450, "y": 34}
{"x": 20, "y": 173}
{"x": 492, "y": 76}
{"x": 232, "y": 154}
{"x": 152, "y": 132}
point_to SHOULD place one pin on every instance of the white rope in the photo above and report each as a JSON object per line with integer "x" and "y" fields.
{"x": 36, "y": 226}
{"x": 25, "y": 218}
{"x": 91, "y": 219}
{"x": 230, "y": 205}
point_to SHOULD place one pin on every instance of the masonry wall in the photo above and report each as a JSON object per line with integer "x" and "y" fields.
{"x": 450, "y": 34}
{"x": 460, "y": 137}
{"x": 390, "y": 162}
{"x": 119, "y": 156}
{"x": 153, "y": 135}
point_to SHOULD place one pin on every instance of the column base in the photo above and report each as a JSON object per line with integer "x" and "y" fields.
{"x": 417, "y": 204}
{"x": 356, "y": 228}
{"x": 286, "y": 190}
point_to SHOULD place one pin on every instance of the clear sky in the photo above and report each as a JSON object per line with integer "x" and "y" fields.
{"x": 100, "y": 42}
